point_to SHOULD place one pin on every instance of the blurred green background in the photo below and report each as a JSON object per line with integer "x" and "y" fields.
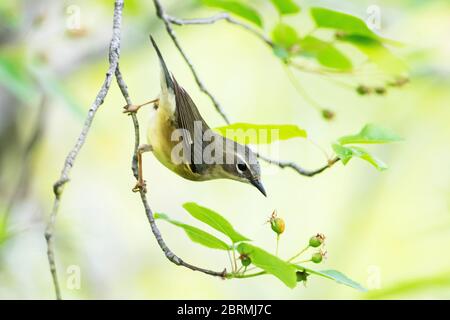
{"x": 388, "y": 230}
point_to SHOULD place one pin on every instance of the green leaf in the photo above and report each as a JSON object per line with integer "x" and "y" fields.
{"x": 5, "y": 234}
{"x": 270, "y": 263}
{"x": 363, "y": 154}
{"x": 15, "y": 76}
{"x": 11, "y": 15}
{"x": 3, "y": 231}
{"x": 371, "y": 133}
{"x": 326, "y": 18}
{"x": 343, "y": 153}
{"x": 337, "y": 276}
{"x": 286, "y": 6}
{"x": 238, "y": 8}
{"x": 355, "y": 31}
{"x": 377, "y": 53}
{"x": 284, "y": 36}
{"x": 346, "y": 153}
{"x": 214, "y": 220}
{"x": 248, "y": 133}
{"x": 325, "y": 53}
{"x": 197, "y": 235}
{"x": 408, "y": 287}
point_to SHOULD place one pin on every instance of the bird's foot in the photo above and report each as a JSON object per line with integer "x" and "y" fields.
{"x": 140, "y": 186}
{"x": 131, "y": 108}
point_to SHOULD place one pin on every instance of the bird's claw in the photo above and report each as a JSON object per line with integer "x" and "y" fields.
{"x": 140, "y": 186}
{"x": 130, "y": 108}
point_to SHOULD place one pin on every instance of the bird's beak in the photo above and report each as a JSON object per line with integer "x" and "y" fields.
{"x": 258, "y": 184}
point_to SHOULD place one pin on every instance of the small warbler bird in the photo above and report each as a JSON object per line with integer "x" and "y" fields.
{"x": 201, "y": 154}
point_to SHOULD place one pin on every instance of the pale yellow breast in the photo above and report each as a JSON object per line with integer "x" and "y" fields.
{"x": 159, "y": 136}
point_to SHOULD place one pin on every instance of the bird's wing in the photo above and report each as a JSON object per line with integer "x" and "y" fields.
{"x": 187, "y": 118}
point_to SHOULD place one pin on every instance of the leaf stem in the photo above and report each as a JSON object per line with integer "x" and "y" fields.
{"x": 234, "y": 258}
{"x": 300, "y": 90}
{"x": 302, "y": 261}
{"x": 299, "y": 254}
{"x": 231, "y": 260}
{"x": 241, "y": 276}
{"x": 278, "y": 242}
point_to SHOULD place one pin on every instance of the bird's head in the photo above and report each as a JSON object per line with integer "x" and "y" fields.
{"x": 244, "y": 167}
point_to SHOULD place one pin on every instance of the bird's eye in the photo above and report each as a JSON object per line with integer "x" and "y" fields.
{"x": 241, "y": 167}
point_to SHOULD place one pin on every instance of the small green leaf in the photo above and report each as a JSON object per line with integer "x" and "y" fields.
{"x": 371, "y": 133}
{"x": 260, "y": 133}
{"x": 336, "y": 276}
{"x": 197, "y": 235}
{"x": 355, "y": 31}
{"x": 214, "y": 220}
{"x": 3, "y": 231}
{"x": 408, "y": 287}
{"x": 325, "y": 53}
{"x": 15, "y": 76}
{"x": 333, "y": 58}
{"x": 270, "y": 263}
{"x": 377, "y": 53}
{"x": 286, "y": 6}
{"x": 238, "y": 8}
{"x": 347, "y": 152}
{"x": 363, "y": 154}
{"x": 326, "y": 18}
{"x": 284, "y": 35}
{"x": 343, "y": 153}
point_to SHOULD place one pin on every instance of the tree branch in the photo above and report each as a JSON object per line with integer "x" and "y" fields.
{"x": 169, "y": 20}
{"x": 114, "y": 52}
{"x": 297, "y": 168}
{"x": 218, "y": 17}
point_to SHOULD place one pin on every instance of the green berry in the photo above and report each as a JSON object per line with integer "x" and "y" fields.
{"x": 277, "y": 225}
{"x": 317, "y": 240}
{"x": 380, "y": 90}
{"x": 328, "y": 114}
{"x": 317, "y": 257}
{"x": 363, "y": 90}
{"x": 314, "y": 242}
{"x": 245, "y": 260}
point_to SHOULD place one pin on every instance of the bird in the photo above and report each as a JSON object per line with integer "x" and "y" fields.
{"x": 202, "y": 154}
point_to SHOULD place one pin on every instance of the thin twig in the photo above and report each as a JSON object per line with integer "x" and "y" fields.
{"x": 218, "y": 17}
{"x": 297, "y": 168}
{"x": 114, "y": 52}
{"x": 165, "y": 18}
{"x": 298, "y": 87}
{"x": 169, "y": 20}
{"x": 168, "y": 253}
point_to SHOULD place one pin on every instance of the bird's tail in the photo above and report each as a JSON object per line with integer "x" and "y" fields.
{"x": 165, "y": 75}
